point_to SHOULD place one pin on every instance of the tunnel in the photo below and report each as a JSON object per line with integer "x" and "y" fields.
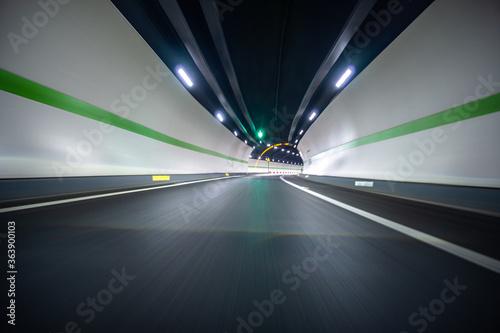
{"x": 250, "y": 166}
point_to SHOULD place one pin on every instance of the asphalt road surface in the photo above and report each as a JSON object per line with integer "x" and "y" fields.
{"x": 250, "y": 254}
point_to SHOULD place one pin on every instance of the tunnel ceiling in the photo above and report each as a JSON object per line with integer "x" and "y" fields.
{"x": 267, "y": 66}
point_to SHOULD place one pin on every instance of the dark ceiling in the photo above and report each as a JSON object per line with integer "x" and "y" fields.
{"x": 268, "y": 65}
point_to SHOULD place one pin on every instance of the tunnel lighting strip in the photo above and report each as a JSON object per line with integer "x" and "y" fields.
{"x": 220, "y": 117}
{"x": 456, "y": 250}
{"x": 20, "y": 86}
{"x": 344, "y": 77}
{"x": 185, "y": 77}
{"x": 97, "y": 196}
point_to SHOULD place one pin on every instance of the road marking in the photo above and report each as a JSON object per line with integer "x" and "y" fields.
{"x": 459, "y": 251}
{"x": 96, "y": 196}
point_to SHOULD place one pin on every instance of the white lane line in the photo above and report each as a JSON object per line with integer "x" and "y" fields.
{"x": 96, "y": 196}
{"x": 459, "y": 251}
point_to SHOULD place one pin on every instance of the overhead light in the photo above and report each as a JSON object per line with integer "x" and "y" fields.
{"x": 312, "y": 116}
{"x": 253, "y": 147}
{"x": 246, "y": 142}
{"x": 269, "y": 145}
{"x": 275, "y": 147}
{"x": 235, "y": 133}
{"x": 220, "y": 117}
{"x": 288, "y": 152}
{"x": 343, "y": 78}
{"x": 296, "y": 140}
{"x": 185, "y": 77}
{"x": 282, "y": 149}
{"x": 301, "y": 131}
{"x": 259, "y": 158}
{"x": 295, "y": 146}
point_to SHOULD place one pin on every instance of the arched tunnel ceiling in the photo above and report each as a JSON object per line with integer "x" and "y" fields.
{"x": 268, "y": 65}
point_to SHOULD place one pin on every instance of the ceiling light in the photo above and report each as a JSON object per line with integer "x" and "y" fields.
{"x": 185, "y": 77}
{"x": 295, "y": 146}
{"x": 235, "y": 133}
{"x": 296, "y": 140}
{"x": 246, "y": 142}
{"x": 220, "y": 117}
{"x": 312, "y": 116}
{"x": 269, "y": 145}
{"x": 288, "y": 152}
{"x": 301, "y": 131}
{"x": 282, "y": 149}
{"x": 343, "y": 78}
{"x": 275, "y": 147}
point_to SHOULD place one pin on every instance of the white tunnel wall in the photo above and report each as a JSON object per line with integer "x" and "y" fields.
{"x": 449, "y": 56}
{"x": 262, "y": 166}
{"x": 87, "y": 50}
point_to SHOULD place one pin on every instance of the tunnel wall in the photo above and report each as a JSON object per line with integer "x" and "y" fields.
{"x": 424, "y": 110}
{"x": 261, "y": 166}
{"x": 72, "y": 68}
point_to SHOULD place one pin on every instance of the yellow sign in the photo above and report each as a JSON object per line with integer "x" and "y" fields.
{"x": 160, "y": 178}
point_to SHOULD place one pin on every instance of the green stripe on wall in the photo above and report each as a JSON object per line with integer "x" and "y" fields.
{"x": 481, "y": 107}
{"x": 20, "y": 86}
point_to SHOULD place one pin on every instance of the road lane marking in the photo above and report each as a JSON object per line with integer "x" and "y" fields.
{"x": 459, "y": 251}
{"x": 96, "y": 196}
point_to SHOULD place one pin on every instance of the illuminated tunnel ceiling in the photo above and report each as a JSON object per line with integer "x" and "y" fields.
{"x": 268, "y": 65}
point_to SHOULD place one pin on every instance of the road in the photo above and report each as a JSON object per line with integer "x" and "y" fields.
{"x": 249, "y": 254}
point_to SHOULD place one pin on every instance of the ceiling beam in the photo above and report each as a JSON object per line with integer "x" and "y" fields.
{"x": 358, "y": 15}
{"x": 211, "y": 13}
{"x": 176, "y": 17}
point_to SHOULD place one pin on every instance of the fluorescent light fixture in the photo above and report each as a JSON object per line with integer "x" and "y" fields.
{"x": 269, "y": 145}
{"x": 282, "y": 149}
{"x": 288, "y": 152}
{"x": 185, "y": 77}
{"x": 312, "y": 116}
{"x": 295, "y": 146}
{"x": 296, "y": 140}
{"x": 246, "y": 142}
{"x": 235, "y": 133}
{"x": 275, "y": 147}
{"x": 343, "y": 78}
{"x": 301, "y": 131}
{"x": 253, "y": 147}
{"x": 220, "y": 117}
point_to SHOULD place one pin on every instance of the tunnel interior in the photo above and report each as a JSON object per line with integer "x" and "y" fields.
{"x": 250, "y": 166}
